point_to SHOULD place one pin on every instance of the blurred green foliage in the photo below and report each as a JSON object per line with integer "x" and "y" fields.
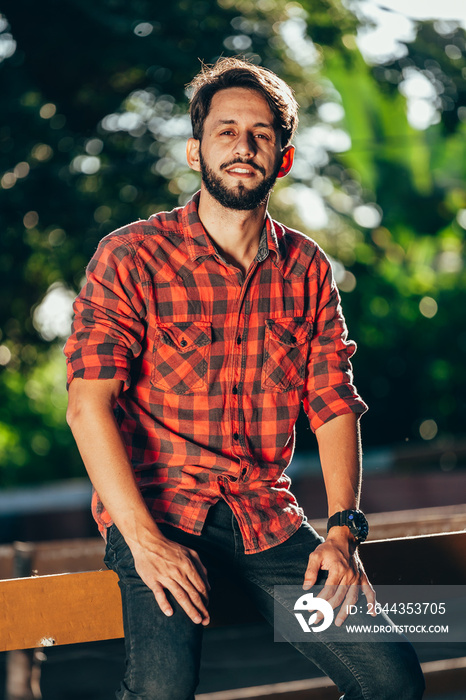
{"x": 93, "y": 126}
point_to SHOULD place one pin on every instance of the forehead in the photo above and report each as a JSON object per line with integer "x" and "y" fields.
{"x": 241, "y": 105}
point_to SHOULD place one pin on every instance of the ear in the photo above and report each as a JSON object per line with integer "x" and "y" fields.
{"x": 192, "y": 154}
{"x": 287, "y": 162}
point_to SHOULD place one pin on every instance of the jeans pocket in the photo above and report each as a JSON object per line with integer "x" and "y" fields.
{"x": 286, "y": 349}
{"x": 118, "y": 556}
{"x": 181, "y": 356}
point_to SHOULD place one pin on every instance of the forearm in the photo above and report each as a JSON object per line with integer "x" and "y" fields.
{"x": 340, "y": 456}
{"x": 91, "y": 419}
{"x": 161, "y": 563}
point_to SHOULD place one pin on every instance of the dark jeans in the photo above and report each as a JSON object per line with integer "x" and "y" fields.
{"x": 163, "y": 653}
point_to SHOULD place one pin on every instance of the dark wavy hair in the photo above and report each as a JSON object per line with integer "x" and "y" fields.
{"x": 236, "y": 72}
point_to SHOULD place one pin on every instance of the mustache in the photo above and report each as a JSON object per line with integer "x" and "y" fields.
{"x": 224, "y": 166}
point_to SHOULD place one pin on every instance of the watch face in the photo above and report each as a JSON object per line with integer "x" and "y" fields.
{"x": 358, "y": 525}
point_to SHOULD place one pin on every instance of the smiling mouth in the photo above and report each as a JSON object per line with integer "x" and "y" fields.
{"x": 240, "y": 171}
{"x": 246, "y": 170}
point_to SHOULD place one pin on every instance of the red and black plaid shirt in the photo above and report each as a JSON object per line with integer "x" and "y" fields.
{"x": 214, "y": 366}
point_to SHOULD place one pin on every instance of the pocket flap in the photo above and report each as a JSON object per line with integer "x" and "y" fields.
{"x": 185, "y": 336}
{"x": 290, "y": 331}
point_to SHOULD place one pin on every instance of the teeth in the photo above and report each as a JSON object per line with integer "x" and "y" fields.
{"x": 239, "y": 170}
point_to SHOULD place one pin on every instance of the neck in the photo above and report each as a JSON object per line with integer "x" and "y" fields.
{"x": 235, "y": 232}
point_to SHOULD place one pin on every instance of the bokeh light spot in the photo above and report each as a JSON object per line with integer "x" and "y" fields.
{"x": 5, "y": 355}
{"x": 428, "y": 307}
{"x": 94, "y": 147}
{"x": 42, "y": 152}
{"x": 102, "y": 214}
{"x": 52, "y": 317}
{"x": 8, "y": 180}
{"x": 30, "y": 219}
{"x": 143, "y": 29}
{"x": 461, "y": 217}
{"x": 428, "y": 429}
{"x": 89, "y": 165}
{"x": 348, "y": 283}
{"x": 48, "y": 110}
{"x": 368, "y": 215}
{"x": 56, "y": 237}
{"x": 453, "y": 52}
{"x": 40, "y": 444}
{"x": 22, "y": 169}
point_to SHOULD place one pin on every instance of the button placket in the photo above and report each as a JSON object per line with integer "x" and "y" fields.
{"x": 236, "y": 378}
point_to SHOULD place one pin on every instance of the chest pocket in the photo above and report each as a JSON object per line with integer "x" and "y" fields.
{"x": 181, "y": 356}
{"x": 286, "y": 349}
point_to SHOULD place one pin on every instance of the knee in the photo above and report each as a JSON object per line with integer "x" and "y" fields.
{"x": 404, "y": 679}
{"x": 159, "y": 681}
{"x": 156, "y": 688}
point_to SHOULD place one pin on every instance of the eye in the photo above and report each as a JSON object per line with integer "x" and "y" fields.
{"x": 227, "y": 132}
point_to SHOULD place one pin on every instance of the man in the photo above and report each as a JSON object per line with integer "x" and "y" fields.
{"x": 198, "y": 335}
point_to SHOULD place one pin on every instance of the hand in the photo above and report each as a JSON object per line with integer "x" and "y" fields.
{"x": 165, "y": 564}
{"x": 338, "y": 556}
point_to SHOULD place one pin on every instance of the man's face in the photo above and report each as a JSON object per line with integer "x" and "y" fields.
{"x": 240, "y": 153}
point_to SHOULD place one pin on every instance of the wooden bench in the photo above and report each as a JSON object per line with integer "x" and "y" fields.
{"x": 42, "y": 611}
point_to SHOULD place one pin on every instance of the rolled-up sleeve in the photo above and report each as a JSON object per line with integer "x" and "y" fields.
{"x": 329, "y": 389}
{"x": 108, "y": 326}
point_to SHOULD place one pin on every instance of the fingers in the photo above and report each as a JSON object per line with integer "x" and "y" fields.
{"x": 351, "y": 598}
{"x": 189, "y": 586}
{"x": 312, "y": 571}
{"x": 369, "y": 592}
{"x": 343, "y": 595}
{"x": 192, "y": 604}
{"x": 179, "y": 570}
{"x": 334, "y": 593}
{"x": 161, "y": 599}
{"x": 190, "y": 600}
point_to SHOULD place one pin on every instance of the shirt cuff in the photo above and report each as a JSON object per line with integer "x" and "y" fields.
{"x": 98, "y": 372}
{"x": 332, "y": 403}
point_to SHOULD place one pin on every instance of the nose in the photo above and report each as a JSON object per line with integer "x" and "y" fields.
{"x": 245, "y": 145}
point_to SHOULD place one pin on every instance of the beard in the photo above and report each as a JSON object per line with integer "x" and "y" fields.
{"x": 238, "y": 197}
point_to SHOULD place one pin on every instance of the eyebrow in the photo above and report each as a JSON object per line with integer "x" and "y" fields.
{"x": 261, "y": 125}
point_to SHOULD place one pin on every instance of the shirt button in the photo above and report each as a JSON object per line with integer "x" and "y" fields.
{"x": 238, "y": 340}
{"x": 235, "y": 436}
{"x": 183, "y": 343}
{"x": 235, "y": 390}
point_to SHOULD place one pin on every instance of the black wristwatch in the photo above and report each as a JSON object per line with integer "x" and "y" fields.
{"x": 354, "y": 519}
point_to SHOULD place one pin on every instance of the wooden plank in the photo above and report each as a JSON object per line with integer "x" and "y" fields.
{"x": 446, "y": 676}
{"x": 433, "y": 559}
{"x": 321, "y": 688}
{"x": 61, "y": 609}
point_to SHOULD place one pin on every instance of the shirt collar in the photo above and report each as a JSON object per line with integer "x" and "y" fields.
{"x": 200, "y": 245}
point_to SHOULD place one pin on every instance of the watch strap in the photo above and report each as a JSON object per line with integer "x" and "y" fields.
{"x": 355, "y": 520}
